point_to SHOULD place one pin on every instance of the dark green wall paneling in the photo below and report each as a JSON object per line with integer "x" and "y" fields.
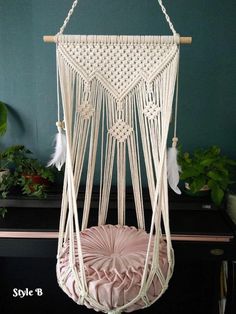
{"x": 207, "y": 100}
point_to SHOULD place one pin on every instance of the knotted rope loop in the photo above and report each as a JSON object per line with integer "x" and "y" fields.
{"x": 60, "y": 125}
{"x": 174, "y": 141}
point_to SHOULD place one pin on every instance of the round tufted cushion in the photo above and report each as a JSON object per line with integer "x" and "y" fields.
{"x": 114, "y": 258}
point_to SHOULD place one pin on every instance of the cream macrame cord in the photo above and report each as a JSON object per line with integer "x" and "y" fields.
{"x": 117, "y": 94}
{"x": 75, "y": 3}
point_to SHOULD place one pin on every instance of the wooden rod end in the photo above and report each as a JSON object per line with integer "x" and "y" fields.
{"x": 48, "y": 39}
{"x": 186, "y": 40}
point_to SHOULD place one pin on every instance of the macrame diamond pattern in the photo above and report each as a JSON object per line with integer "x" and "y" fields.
{"x": 119, "y": 65}
{"x": 120, "y": 130}
{"x": 151, "y": 111}
{"x": 86, "y": 110}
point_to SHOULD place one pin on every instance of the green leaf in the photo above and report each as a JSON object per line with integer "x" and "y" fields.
{"x": 207, "y": 162}
{"x": 231, "y": 162}
{"x": 210, "y": 183}
{"x": 217, "y": 194}
{"x": 4, "y": 194}
{"x": 197, "y": 184}
{"x": 215, "y": 150}
{"x": 214, "y": 175}
{"x": 3, "y": 212}
{"x": 189, "y": 172}
{"x": 3, "y": 118}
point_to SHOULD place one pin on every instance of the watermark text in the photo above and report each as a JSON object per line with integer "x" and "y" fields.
{"x": 22, "y": 293}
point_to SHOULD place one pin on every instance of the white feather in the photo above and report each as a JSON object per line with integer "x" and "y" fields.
{"x": 58, "y": 158}
{"x": 173, "y": 169}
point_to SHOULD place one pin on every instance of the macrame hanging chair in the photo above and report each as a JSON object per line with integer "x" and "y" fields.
{"x": 117, "y": 94}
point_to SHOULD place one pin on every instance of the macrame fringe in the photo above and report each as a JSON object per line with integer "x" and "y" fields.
{"x": 173, "y": 168}
{"x": 59, "y": 156}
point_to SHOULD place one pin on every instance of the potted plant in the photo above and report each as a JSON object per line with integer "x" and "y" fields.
{"x": 33, "y": 177}
{"x": 26, "y": 176}
{"x": 26, "y": 173}
{"x": 206, "y": 170}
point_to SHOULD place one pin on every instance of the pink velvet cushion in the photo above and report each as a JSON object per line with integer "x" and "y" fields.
{"x": 114, "y": 258}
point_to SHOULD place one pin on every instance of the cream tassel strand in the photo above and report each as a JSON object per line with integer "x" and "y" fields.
{"x": 173, "y": 168}
{"x": 58, "y": 158}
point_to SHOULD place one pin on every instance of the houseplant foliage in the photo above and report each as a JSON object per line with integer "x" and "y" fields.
{"x": 19, "y": 171}
{"x": 26, "y": 173}
{"x": 207, "y": 168}
{"x": 26, "y": 176}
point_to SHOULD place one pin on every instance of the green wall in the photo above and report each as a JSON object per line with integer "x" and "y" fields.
{"x": 207, "y": 100}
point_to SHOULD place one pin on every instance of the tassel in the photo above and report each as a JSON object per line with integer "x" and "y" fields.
{"x": 173, "y": 168}
{"x": 59, "y": 156}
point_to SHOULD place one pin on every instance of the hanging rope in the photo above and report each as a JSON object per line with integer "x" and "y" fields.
{"x": 67, "y": 19}
{"x": 167, "y": 17}
{"x": 75, "y": 3}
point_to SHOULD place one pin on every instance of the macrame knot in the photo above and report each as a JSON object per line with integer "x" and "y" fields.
{"x": 174, "y": 141}
{"x": 145, "y": 298}
{"x": 165, "y": 286}
{"x": 60, "y": 125}
{"x": 150, "y": 102}
{"x": 120, "y": 130}
{"x": 119, "y": 105}
{"x": 85, "y": 108}
{"x": 83, "y": 295}
{"x": 150, "y": 97}
{"x": 87, "y": 93}
{"x": 149, "y": 87}
{"x": 151, "y": 109}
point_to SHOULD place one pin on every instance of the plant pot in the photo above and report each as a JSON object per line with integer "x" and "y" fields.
{"x": 204, "y": 191}
{"x": 3, "y": 172}
{"x": 36, "y": 179}
{"x": 231, "y": 205}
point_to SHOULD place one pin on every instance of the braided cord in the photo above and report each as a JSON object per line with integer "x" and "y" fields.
{"x": 71, "y": 11}
{"x": 167, "y": 17}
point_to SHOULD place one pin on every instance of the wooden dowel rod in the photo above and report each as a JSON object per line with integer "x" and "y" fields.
{"x": 186, "y": 40}
{"x": 49, "y": 39}
{"x": 183, "y": 40}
